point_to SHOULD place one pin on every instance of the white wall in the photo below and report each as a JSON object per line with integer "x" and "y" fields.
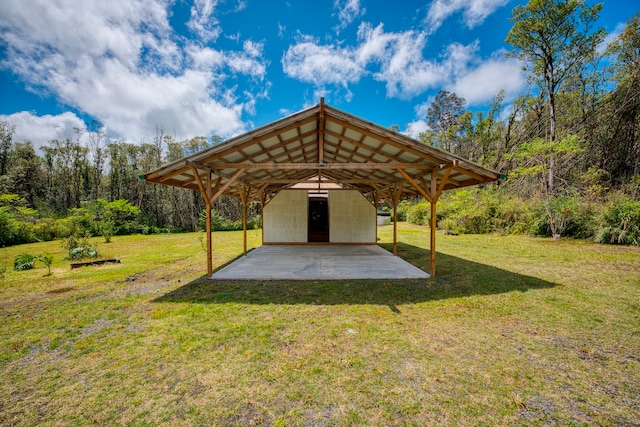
{"x": 352, "y": 218}
{"x": 285, "y": 217}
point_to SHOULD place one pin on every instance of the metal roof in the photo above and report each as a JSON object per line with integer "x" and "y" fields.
{"x": 321, "y": 144}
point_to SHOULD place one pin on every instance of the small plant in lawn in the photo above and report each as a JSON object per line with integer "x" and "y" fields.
{"x": 82, "y": 252}
{"x": 78, "y": 247}
{"x": 47, "y": 260}
{"x": 24, "y": 262}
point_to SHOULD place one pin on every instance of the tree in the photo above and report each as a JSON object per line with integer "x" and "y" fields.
{"x": 26, "y": 173}
{"x": 621, "y": 125}
{"x": 443, "y": 113}
{"x": 96, "y": 138}
{"x": 7, "y": 130}
{"x": 487, "y": 133}
{"x": 554, "y": 38}
{"x": 67, "y": 172}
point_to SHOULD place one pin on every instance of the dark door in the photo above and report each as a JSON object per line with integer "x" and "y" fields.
{"x": 318, "y": 219}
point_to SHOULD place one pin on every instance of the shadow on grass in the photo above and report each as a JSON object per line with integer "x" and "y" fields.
{"x": 456, "y": 277}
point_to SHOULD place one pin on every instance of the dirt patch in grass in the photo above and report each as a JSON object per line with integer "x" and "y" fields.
{"x": 61, "y": 290}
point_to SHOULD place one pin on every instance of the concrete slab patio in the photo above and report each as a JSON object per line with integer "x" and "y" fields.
{"x": 319, "y": 262}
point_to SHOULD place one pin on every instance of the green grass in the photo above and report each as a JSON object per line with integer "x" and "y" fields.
{"x": 512, "y": 331}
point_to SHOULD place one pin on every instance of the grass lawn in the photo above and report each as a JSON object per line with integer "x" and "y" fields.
{"x": 512, "y": 331}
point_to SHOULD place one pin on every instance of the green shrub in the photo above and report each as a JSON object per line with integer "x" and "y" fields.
{"x": 64, "y": 227}
{"x": 403, "y": 208}
{"x": 468, "y": 211}
{"x": 24, "y": 262}
{"x": 7, "y": 226}
{"x": 419, "y": 214}
{"x": 78, "y": 246}
{"x": 107, "y": 229}
{"x": 83, "y": 252}
{"x": 44, "y": 229}
{"x": 220, "y": 223}
{"x": 619, "y": 222}
{"x": 583, "y": 223}
{"x": 449, "y": 226}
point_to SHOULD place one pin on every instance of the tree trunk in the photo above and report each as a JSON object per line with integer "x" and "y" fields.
{"x": 552, "y": 133}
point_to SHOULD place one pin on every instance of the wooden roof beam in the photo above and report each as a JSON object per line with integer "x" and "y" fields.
{"x": 294, "y": 166}
{"x": 321, "y": 126}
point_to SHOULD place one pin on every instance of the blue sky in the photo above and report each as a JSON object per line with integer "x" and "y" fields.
{"x": 223, "y": 67}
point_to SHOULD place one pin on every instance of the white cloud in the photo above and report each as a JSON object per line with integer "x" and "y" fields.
{"x": 281, "y": 29}
{"x": 397, "y": 60}
{"x": 123, "y": 65}
{"x": 41, "y": 129}
{"x": 474, "y": 12}
{"x": 422, "y": 108}
{"x": 482, "y": 83}
{"x": 415, "y": 128}
{"x": 402, "y": 64}
{"x": 348, "y": 11}
{"x": 242, "y": 5}
{"x": 90, "y": 28}
{"x": 375, "y": 43}
{"x": 204, "y": 58}
{"x": 253, "y": 49}
{"x": 203, "y": 22}
{"x": 133, "y": 104}
{"x": 398, "y": 57}
{"x": 321, "y": 65}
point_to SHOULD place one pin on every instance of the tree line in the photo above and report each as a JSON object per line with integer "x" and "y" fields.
{"x": 71, "y": 187}
{"x": 570, "y": 149}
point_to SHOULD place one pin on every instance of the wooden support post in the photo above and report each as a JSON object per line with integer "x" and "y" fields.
{"x": 244, "y": 229}
{"x": 432, "y": 196}
{"x": 244, "y": 196}
{"x": 395, "y": 230}
{"x": 434, "y": 201}
{"x": 209, "y": 243}
{"x": 263, "y": 196}
{"x": 376, "y": 203}
{"x": 436, "y": 191}
{"x": 210, "y": 193}
{"x": 432, "y": 249}
{"x": 396, "y": 191}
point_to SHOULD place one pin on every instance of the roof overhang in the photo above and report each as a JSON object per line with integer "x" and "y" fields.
{"x": 325, "y": 145}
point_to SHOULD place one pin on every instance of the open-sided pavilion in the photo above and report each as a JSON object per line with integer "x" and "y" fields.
{"x": 319, "y": 151}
